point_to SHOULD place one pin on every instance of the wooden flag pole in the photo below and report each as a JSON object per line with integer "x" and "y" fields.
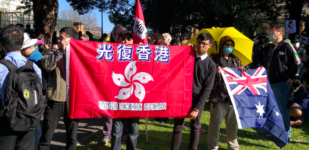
{"x": 146, "y": 124}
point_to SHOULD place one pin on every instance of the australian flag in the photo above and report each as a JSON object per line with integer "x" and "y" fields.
{"x": 255, "y": 104}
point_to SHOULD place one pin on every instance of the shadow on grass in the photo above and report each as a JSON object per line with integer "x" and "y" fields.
{"x": 305, "y": 127}
{"x": 169, "y": 124}
{"x": 83, "y": 131}
{"x": 163, "y": 140}
{"x": 299, "y": 143}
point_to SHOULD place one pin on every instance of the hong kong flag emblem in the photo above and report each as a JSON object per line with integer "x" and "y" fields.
{"x": 137, "y": 79}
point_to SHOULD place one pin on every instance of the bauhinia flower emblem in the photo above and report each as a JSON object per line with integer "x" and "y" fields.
{"x": 128, "y": 87}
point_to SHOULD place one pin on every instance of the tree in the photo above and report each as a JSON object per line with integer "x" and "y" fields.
{"x": 27, "y": 7}
{"x": 4, "y": 5}
{"x": 45, "y": 17}
{"x": 84, "y": 7}
{"x": 180, "y": 16}
{"x": 89, "y": 19}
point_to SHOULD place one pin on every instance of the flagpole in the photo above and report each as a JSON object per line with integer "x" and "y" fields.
{"x": 102, "y": 23}
{"x": 146, "y": 124}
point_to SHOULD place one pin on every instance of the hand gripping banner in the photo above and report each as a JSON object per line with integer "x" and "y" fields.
{"x": 128, "y": 81}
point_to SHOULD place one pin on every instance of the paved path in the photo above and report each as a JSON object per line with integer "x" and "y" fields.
{"x": 86, "y": 127}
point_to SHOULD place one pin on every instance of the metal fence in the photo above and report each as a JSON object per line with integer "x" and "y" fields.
{"x": 7, "y": 18}
{"x": 63, "y": 23}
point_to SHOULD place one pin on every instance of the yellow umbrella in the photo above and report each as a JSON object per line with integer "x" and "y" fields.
{"x": 243, "y": 45}
{"x": 107, "y": 39}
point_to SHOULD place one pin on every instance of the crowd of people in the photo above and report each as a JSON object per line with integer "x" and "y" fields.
{"x": 48, "y": 66}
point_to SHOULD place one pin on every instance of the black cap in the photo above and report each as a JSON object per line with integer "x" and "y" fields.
{"x": 125, "y": 32}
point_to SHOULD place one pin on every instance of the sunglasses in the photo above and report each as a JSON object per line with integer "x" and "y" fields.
{"x": 128, "y": 39}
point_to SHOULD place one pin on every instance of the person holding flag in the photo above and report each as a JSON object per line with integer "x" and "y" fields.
{"x": 108, "y": 121}
{"x": 139, "y": 37}
{"x": 203, "y": 79}
{"x": 221, "y": 106}
{"x": 125, "y": 37}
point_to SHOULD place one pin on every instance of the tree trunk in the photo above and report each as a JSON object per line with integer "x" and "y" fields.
{"x": 295, "y": 8}
{"x": 45, "y": 17}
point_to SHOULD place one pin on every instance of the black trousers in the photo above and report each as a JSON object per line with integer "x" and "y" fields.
{"x": 132, "y": 133}
{"x": 52, "y": 115}
{"x": 194, "y": 133}
{"x": 11, "y": 140}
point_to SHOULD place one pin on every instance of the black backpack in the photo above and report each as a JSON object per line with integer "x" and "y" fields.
{"x": 23, "y": 102}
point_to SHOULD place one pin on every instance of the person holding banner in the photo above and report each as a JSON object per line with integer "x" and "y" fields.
{"x": 203, "y": 79}
{"x": 115, "y": 33}
{"x": 108, "y": 121}
{"x": 221, "y": 106}
{"x": 125, "y": 37}
{"x": 55, "y": 64}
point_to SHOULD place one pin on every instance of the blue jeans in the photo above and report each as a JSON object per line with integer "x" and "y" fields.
{"x": 117, "y": 131}
{"x": 37, "y": 136}
{"x": 281, "y": 94}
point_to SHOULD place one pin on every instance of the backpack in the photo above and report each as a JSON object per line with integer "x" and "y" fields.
{"x": 23, "y": 102}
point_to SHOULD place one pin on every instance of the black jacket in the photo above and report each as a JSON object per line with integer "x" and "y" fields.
{"x": 203, "y": 80}
{"x": 279, "y": 61}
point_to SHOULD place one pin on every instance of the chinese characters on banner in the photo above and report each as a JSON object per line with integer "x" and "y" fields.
{"x": 125, "y": 53}
{"x": 129, "y": 81}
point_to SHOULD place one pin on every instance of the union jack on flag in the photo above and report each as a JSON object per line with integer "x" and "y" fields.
{"x": 254, "y": 103}
{"x": 247, "y": 81}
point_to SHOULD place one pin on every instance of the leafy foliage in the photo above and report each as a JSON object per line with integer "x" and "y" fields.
{"x": 83, "y": 6}
{"x": 4, "y": 4}
{"x": 27, "y": 6}
{"x": 89, "y": 19}
{"x": 178, "y": 17}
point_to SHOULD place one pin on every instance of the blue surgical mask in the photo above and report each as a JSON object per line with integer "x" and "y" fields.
{"x": 228, "y": 50}
{"x": 271, "y": 38}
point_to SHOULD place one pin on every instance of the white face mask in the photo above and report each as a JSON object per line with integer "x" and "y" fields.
{"x": 297, "y": 45}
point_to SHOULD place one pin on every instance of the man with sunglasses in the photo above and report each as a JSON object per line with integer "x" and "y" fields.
{"x": 279, "y": 60}
{"x": 125, "y": 37}
{"x": 120, "y": 124}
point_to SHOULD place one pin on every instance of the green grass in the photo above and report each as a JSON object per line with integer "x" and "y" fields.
{"x": 160, "y": 137}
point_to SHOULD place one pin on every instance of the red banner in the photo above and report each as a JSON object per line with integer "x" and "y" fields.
{"x": 128, "y": 81}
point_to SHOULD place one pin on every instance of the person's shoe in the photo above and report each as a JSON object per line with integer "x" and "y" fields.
{"x": 202, "y": 130}
{"x": 105, "y": 141}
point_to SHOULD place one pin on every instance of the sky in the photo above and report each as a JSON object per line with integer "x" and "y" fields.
{"x": 107, "y": 25}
